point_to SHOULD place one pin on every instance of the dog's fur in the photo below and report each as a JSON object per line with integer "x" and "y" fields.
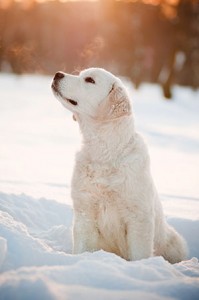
{"x": 116, "y": 206}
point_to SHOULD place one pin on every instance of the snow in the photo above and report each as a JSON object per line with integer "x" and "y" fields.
{"x": 38, "y": 144}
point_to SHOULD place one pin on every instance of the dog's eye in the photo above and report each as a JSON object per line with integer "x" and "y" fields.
{"x": 90, "y": 80}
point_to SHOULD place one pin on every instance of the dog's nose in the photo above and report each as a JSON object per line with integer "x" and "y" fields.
{"x": 59, "y": 75}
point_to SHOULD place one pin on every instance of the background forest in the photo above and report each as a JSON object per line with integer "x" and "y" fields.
{"x": 148, "y": 41}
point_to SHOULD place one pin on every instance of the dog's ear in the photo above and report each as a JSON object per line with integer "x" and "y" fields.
{"x": 119, "y": 102}
{"x": 115, "y": 105}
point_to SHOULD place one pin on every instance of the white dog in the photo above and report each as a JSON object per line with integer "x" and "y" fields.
{"x": 116, "y": 206}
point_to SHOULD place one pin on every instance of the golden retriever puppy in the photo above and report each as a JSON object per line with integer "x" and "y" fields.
{"x": 116, "y": 206}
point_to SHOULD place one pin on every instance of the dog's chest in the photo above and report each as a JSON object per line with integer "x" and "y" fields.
{"x": 103, "y": 179}
{"x": 105, "y": 186}
{"x": 102, "y": 186}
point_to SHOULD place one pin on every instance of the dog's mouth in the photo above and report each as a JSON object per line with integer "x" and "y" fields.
{"x": 57, "y": 92}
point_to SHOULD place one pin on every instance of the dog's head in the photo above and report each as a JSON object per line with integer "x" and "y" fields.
{"x": 94, "y": 92}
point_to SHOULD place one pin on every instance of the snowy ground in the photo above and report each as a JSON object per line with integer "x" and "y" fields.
{"x": 38, "y": 143}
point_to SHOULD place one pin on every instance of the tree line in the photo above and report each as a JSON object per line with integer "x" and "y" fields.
{"x": 147, "y": 43}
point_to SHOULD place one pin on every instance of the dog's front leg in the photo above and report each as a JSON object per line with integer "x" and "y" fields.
{"x": 85, "y": 234}
{"x": 140, "y": 237}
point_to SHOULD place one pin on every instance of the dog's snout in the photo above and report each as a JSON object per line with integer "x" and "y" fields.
{"x": 59, "y": 75}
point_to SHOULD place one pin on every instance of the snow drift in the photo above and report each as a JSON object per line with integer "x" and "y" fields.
{"x": 36, "y": 260}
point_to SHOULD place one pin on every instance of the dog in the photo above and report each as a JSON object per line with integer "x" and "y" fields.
{"x": 116, "y": 205}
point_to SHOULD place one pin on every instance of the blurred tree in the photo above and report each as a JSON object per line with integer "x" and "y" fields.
{"x": 154, "y": 43}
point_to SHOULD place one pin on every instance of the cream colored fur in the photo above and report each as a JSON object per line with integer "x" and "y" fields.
{"x": 116, "y": 206}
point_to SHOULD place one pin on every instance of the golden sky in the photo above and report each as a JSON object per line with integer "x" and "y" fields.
{"x": 172, "y": 2}
{"x": 27, "y": 3}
